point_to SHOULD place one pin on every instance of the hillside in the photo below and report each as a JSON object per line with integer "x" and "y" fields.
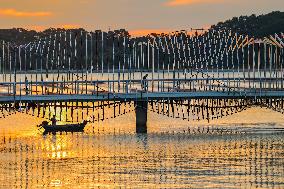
{"x": 255, "y": 26}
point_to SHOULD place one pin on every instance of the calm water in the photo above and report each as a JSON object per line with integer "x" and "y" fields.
{"x": 160, "y": 159}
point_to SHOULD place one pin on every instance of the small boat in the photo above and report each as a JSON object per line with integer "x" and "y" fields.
{"x": 63, "y": 128}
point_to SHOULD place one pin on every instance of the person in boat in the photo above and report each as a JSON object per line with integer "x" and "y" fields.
{"x": 145, "y": 83}
{"x": 53, "y": 121}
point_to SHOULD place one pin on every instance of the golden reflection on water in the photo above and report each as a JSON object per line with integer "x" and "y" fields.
{"x": 56, "y": 147}
{"x": 164, "y": 161}
{"x": 102, "y": 158}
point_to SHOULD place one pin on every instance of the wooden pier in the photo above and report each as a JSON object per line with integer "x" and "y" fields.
{"x": 106, "y": 75}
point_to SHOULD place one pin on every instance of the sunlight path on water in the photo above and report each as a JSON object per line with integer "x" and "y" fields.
{"x": 110, "y": 155}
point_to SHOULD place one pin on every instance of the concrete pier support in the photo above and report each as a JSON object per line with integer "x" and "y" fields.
{"x": 141, "y": 116}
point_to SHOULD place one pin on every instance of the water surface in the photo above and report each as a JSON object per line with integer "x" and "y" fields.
{"x": 168, "y": 157}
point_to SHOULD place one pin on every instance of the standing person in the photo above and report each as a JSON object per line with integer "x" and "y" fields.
{"x": 145, "y": 83}
{"x": 26, "y": 85}
{"x": 53, "y": 120}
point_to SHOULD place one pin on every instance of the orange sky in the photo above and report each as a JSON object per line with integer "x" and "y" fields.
{"x": 137, "y": 16}
{"x": 15, "y": 13}
{"x": 65, "y": 26}
{"x": 143, "y": 32}
{"x": 190, "y": 2}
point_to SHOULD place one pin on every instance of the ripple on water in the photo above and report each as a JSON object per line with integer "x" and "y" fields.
{"x": 175, "y": 154}
{"x": 142, "y": 161}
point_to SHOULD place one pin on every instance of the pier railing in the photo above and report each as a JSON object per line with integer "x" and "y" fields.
{"x": 204, "y": 76}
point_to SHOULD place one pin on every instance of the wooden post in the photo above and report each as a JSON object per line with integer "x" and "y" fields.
{"x": 141, "y": 116}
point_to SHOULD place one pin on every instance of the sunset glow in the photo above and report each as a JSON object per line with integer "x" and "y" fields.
{"x": 191, "y": 2}
{"x": 65, "y": 26}
{"x": 16, "y": 13}
{"x": 141, "y": 94}
{"x": 146, "y": 32}
{"x": 138, "y": 17}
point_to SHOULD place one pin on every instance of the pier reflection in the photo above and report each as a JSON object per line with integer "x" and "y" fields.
{"x": 142, "y": 161}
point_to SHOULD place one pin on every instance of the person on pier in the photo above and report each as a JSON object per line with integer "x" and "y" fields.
{"x": 26, "y": 85}
{"x": 145, "y": 83}
{"x": 53, "y": 120}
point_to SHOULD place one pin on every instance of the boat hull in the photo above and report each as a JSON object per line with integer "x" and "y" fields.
{"x": 64, "y": 128}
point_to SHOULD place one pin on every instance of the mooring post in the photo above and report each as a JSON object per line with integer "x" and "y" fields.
{"x": 141, "y": 115}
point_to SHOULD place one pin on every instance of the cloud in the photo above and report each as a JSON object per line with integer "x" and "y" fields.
{"x": 16, "y": 13}
{"x": 173, "y": 3}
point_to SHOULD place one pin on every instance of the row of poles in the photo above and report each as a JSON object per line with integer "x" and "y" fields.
{"x": 199, "y": 109}
{"x": 119, "y": 60}
{"x": 184, "y": 109}
{"x": 80, "y": 62}
{"x": 71, "y": 111}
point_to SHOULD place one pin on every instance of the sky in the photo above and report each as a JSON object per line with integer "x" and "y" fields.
{"x": 137, "y": 16}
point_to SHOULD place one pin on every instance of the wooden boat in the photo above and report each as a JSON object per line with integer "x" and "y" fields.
{"x": 63, "y": 128}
